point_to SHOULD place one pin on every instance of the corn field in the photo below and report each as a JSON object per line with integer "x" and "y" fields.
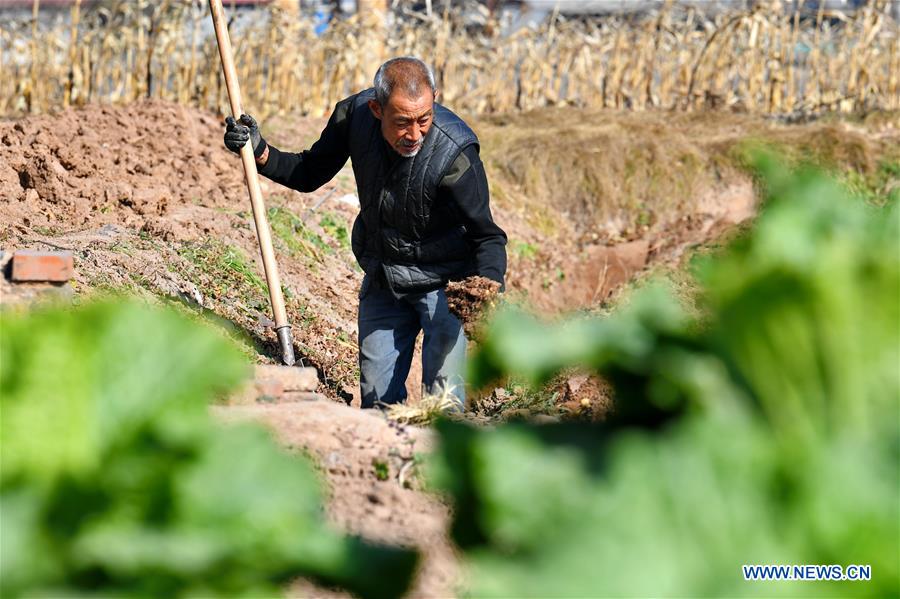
{"x": 766, "y": 60}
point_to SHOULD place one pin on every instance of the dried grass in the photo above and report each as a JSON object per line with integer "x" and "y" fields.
{"x": 618, "y": 174}
{"x": 426, "y": 410}
{"x": 760, "y": 61}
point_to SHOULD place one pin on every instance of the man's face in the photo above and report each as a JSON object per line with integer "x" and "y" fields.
{"x": 405, "y": 121}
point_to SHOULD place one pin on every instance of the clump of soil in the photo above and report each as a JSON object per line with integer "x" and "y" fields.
{"x": 471, "y": 300}
{"x": 584, "y": 397}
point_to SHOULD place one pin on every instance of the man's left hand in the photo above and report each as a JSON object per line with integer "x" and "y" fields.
{"x": 470, "y": 299}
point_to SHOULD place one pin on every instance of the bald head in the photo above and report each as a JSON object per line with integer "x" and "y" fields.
{"x": 404, "y": 103}
{"x": 406, "y": 75}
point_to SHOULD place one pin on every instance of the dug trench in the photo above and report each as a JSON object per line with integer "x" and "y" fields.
{"x": 150, "y": 203}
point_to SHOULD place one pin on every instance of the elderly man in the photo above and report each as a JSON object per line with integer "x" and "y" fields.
{"x": 424, "y": 220}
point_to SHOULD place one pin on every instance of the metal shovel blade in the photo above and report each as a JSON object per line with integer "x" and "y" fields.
{"x": 287, "y": 345}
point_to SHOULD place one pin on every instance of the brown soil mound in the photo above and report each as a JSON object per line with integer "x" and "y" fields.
{"x": 136, "y": 166}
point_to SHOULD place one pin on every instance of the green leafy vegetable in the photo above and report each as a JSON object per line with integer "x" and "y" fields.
{"x": 767, "y": 436}
{"x": 115, "y": 482}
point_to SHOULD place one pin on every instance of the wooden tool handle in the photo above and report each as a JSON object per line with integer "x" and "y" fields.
{"x": 251, "y": 176}
{"x": 225, "y": 53}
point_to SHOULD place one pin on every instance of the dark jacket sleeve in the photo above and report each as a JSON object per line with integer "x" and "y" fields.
{"x": 465, "y": 185}
{"x": 312, "y": 168}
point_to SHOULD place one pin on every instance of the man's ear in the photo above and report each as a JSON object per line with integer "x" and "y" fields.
{"x": 437, "y": 94}
{"x": 375, "y": 107}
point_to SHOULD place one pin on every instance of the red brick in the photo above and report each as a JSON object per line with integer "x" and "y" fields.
{"x": 47, "y": 267}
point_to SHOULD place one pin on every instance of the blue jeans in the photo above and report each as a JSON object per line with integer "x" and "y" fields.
{"x": 388, "y": 328}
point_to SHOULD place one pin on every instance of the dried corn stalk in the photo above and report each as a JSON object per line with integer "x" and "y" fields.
{"x": 762, "y": 60}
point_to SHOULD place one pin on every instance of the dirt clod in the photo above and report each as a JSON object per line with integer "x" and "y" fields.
{"x": 471, "y": 300}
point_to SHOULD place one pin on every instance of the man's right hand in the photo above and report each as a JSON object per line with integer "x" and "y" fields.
{"x": 237, "y": 133}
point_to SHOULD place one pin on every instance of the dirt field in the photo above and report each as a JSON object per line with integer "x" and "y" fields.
{"x": 150, "y": 202}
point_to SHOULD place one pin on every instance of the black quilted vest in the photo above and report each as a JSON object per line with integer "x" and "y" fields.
{"x": 402, "y": 228}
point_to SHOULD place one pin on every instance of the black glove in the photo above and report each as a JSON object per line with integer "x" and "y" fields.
{"x": 237, "y": 134}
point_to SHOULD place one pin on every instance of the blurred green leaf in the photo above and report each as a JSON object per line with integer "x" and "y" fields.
{"x": 769, "y": 435}
{"x": 115, "y": 481}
